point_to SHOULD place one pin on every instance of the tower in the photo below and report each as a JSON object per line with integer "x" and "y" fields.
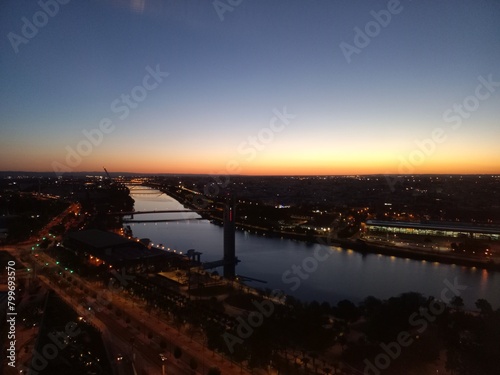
{"x": 229, "y": 238}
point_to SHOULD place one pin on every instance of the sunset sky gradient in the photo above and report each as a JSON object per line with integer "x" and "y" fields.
{"x": 227, "y": 78}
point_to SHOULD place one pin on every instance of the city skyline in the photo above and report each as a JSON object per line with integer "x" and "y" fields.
{"x": 250, "y": 88}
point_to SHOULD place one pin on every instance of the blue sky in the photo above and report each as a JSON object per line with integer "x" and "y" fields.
{"x": 226, "y": 77}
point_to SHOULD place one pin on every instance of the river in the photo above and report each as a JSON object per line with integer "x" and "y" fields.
{"x": 326, "y": 273}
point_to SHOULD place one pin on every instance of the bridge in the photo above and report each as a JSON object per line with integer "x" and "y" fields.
{"x": 132, "y": 213}
{"x": 229, "y": 260}
{"x": 154, "y": 194}
{"x": 160, "y": 220}
{"x": 145, "y": 191}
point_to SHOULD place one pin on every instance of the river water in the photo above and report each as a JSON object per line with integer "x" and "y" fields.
{"x": 326, "y": 273}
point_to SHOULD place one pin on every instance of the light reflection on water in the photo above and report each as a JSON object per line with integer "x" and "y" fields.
{"x": 345, "y": 274}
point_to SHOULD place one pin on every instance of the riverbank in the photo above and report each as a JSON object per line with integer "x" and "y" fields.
{"x": 370, "y": 247}
{"x": 417, "y": 254}
{"x": 358, "y": 245}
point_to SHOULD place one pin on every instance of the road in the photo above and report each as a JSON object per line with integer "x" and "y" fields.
{"x": 122, "y": 338}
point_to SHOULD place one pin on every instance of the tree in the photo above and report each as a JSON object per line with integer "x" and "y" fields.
{"x": 347, "y": 310}
{"x": 484, "y": 306}
{"x": 370, "y": 305}
{"x": 193, "y": 364}
{"x": 163, "y": 344}
{"x": 342, "y": 340}
{"x": 45, "y": 244}
{"x": 314, "y": 357}
{"x": 305, "y": 361}
{"x": 177, "y": 352}
{"x": 336, "y": 366}
{"x": 452, "y": 361}
{"x": 457, "y": 302}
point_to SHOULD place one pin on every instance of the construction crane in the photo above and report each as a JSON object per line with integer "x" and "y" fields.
{"x": 107, "y": 174}
{"x": 110, "y": 181}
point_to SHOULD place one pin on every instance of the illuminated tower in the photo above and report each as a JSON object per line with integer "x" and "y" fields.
{"x": 229, "y": 238}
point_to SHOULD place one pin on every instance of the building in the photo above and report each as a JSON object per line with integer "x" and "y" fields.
{"x": 433, "y": 229}
{"x": 98, "y": 248}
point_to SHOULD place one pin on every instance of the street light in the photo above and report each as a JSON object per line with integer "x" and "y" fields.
{"x": 163, "y": 360}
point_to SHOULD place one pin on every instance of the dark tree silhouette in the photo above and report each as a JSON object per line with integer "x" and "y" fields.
{"x": 193, "y": 364}
{"x": 347, "y": 310}
{"x": 177, "y": 352}
{"x": 370, "y": 305}
{"x": 214, "y": 371}
{"x": 457, "y": 302}
{"x": 484, "y": 306}
{"x": 163, "y": 344}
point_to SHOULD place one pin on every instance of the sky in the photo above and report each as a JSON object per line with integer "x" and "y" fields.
{"x": 251, "y": 87}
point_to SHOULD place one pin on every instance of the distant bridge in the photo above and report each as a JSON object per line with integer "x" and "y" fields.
{"x": 160, "y": 220}
{"x": 145, "y": 191}
{"x": 132, "y": 213}
{"x": 154, "y": 194}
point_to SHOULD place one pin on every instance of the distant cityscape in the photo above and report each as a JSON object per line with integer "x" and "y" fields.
{"x": 136, "y": 306}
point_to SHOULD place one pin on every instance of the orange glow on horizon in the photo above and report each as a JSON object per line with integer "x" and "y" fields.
{"x": 279, "y": 160}
{"x": 310, "y": 168}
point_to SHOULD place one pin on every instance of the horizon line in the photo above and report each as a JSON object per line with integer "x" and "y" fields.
{"x": 251, "y": 175}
